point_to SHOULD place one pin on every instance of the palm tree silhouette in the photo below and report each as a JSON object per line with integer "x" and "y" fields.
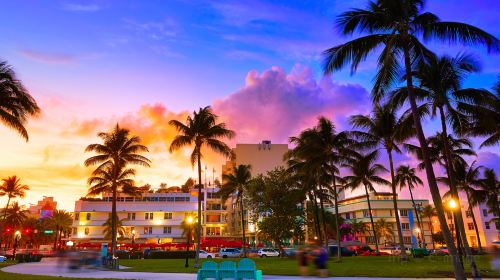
{"x": 12, "y": 188}
{"x": 364, "y": 173}
{"x": 428, "y": 212}
{"x": 16, "y": 104}
{"x": 384, "y": 229}
{"x": 61, "y": 221}
{"x": 117, "y": 151}
{"x": 201, "y": 130}
{"x": 108, "y": 228}
{"x": 397, "y": 26}
{"x": 384, "y": 129}
{"x": 237, "y": 182}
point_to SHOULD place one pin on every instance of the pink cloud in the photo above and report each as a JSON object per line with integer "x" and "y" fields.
{"x": 275, "y": 105}
{"x": 49, "y": 58}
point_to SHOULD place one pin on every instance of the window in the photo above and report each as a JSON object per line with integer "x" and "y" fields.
{"x": 75, "y": 231}
{"x": 77, "y": 216}
{"x": 370, "y": 239}
{"x": 148, "y": 230}
{"x": 487, "y": 225}
{"x": 365, "y": 213}
{"x": 403, "y": 212}
{"x": 148, "y": 216}
{"x": 167, "y": 230}
{"x": 347, "y": 216}
{"x": 213, "y": 231}
{"x": 87, "y": 231}
{"x": 470, "y": 226}
{"x": 167, "y": 216}
{"x": 354, "y": 215}
{"x": 390, "y": 212}
{"x": 88, "y": 216}
{"x": 407, "y": 239}
{"x": 131, "y": 216}
{"x": 405, "y": 226}
{"x": 485, "y": 212}
{"x": 497, "y": 225}
{"x": 468, "y": 214}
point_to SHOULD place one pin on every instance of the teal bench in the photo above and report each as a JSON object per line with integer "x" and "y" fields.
{"x": 208, "y": 270}
{"x": 248, "y": 270}
{"x": 227, "y": 269}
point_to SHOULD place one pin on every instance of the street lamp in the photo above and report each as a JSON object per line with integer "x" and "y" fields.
{"x": 417, "y": 230}
{"x": 453, "y": 205}
{"x": 189, "y": 221}
{"x": 17, "y": 237}
{"x": 133, "y": 236}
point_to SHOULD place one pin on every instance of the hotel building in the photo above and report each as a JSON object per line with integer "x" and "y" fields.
{"x": 151, "y": 218}
{"x": 356, "y": 208}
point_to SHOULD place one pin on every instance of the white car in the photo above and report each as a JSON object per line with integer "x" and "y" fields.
{"x": 3, "y": 258}
{"x": 206, "y": 255}
{"x": 264, "y": 253}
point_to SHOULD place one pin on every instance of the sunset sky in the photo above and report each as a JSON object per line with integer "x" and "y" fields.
{"x": 92, "y": 64}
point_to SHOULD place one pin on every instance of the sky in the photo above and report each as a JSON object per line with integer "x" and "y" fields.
{"x": 92, "y": 64}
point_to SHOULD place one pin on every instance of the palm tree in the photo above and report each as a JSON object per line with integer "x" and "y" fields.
{"x": 396, "y": 25}
{"x": 384, "y": 229}
{"x": 201, "y": 130}
{"x": 12, "y": 188}
{"x": 112, "y": 175}
{"x": 108, "y": 228}
{"x": 467, "y": 180}
{"x": 16, "y": 215}
{"x": 384, "y": 129}
{"x": 356, "y": 227}
{"x": 428, "y": 212}
{"x": 236, "y": 182}
{"x": 320, "y": 150}
{"x": 406, "y": 177}
{"x": 490, "y": 185}
{"x": 440, "y": 80}
{"x": 61, "y": 221}
{"x": 16, "y": 104}
{"x": 364, "y": 173}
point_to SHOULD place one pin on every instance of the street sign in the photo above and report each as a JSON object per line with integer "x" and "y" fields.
{"x": 49, "y": 231}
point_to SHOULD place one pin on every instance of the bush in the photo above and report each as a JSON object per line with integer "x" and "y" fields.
{"x": 170, "y": 254}
{"x": 135, "y": 255}
{"x": 122, "y": 255}
{"x": 20, "y": 258}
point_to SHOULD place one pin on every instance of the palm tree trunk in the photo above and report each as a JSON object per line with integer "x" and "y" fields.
{"x": 416, "y": 215}
{"x": 113, "y": 222}
{"x": 56, "y": 237}
{"x": 454, "y": 192}
{"x": 243, "y": 228}
{"x": 471, "y": 210}
{"x": 323, "y": 218}
{"x": 336, "y": 198}
{"x": 371, "y": 221}
{"x": 431, "y": 177}
{"x": 402, "y": 253}
{"x": 432, "y": 234}
{"x": 3, "y": 219}
{"x": 198, "y": 227}
{"x": 316, "y": 215}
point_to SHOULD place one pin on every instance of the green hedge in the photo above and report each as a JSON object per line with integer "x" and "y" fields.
{"x": 129, "y": 255}
{"x": 28, "y": 258}
{"x": 170, "y": 254}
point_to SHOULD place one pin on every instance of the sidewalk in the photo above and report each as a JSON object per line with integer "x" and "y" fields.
{"x": 49, "y": 267}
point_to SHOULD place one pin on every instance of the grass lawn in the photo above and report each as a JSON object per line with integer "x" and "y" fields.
{"x": 383, "y": 266}
{"x": 15, "y": 276}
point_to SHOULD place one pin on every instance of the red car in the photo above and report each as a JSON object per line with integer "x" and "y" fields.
{"x": 367, "y": 253}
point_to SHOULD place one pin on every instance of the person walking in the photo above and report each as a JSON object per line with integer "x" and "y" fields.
{"x": 303, "y": 259}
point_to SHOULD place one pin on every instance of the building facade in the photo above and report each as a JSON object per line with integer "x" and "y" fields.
{"x": 356, "y": 209}
{"x": 43, "y": 208}
{"x": 262, "y": 157}
{"x": 151, "y": 218}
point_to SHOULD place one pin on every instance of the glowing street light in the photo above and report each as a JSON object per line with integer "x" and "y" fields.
{"x": 189, "y": 221}
{"x": 452, "y": 204}
{"x": 69, "y": 243}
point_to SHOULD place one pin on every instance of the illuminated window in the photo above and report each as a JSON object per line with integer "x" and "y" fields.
{"x": 77, "y": 216}
{"x": 131, "y": 216}
{"x": 405, "y": 226}
{"x": 89, "y": 216}
{"x": 87, "y": 231}
{"x": 167, "y": 230}
{"x": 148, "y": 230}
{"x": 407, "y": 239}
{"x": 403, "y": 212}
{"x": 167, "y": 216}
{"x": 148, "y": 216}
{"x": 468, "y": 214}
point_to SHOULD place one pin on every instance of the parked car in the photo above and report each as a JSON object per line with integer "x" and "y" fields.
{"x": 206, "y": 255}
{"x": 345, "y": 252}
{"x": 373, "y": 253}
{"x": 289, "y": 252}
{"x": 263, "y": 253}
{"x": 3, "y": 258}
{"x": 252, "y": 253}
{"x": 229, "y": 253}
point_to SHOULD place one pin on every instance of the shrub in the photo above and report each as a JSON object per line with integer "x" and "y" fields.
{"x": 28, "y": 258}
{"x": 170, "y": 254}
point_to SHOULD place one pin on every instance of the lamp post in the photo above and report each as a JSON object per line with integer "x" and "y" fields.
{"x": 133, "y": 237}
{"x": 417, "y": 230}
{"x": 17, "y": 237}
{"x": 452, "y": 204}
{"x": 189, "y": 221}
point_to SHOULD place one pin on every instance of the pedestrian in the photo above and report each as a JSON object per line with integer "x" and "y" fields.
{"x": 320, "y": 261}
{"x": 303, "y": 260}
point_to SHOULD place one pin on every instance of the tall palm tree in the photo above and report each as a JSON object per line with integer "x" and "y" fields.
{"x": 117, "y": 151}
{"x": 236, "y": 182}
{"x": 321, "y": 150}
{"x": 201, "y": 130}
{"x": 429, "y": 212}
{"x": 440, "y": 82}
{"x": 467, "y": 180}
{"x": 384, "y": 229}
{"x": 490, "y": 185}
{"x": 364, "y": 172}
{"x": 16, "y": 215}
{"x": 60, "y": 221}
{"x": 16, "y": 104}
{"x": 12, "y": 188}
{"x": 108, "y": 228}
{"x": 356, "y": 227}
{"x": 397, "y": 26}
{"x": 406, "y": 177}
{"x": 385, "y": 129}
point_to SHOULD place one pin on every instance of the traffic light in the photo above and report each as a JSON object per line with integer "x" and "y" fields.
{"x": 28, "y": 230}
{"x": 8, "y": 230}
